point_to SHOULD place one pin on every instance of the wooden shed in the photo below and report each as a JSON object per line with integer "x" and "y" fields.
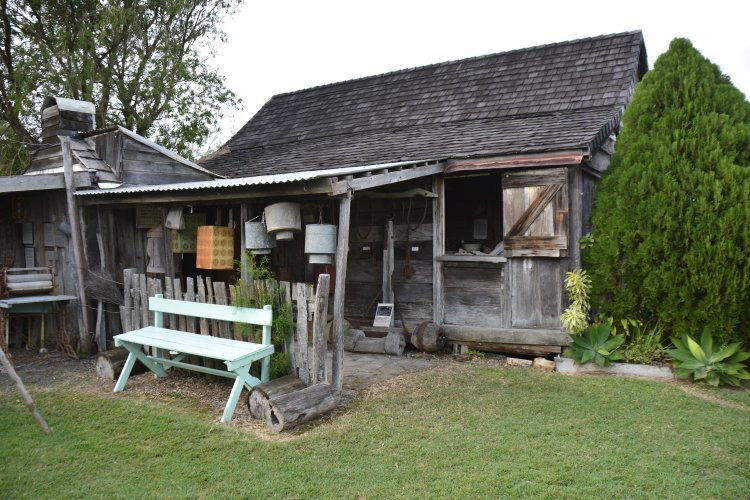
{"x": 39, "y": 225}
{"x": 484, "y": 168}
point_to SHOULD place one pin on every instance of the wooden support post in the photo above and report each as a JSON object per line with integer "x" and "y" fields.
{"x": 101, "y": 330}
{"x": 319, "y": 329}
{"x": 8, "y": 367}
{"x": 342, "y": 250}
{"x": 300, "y": 338}
{"x": 438, "y": 248}
{"x": 388, "y": 262}
{"x": 244, "y": 271}
{"x": 77, "y": 239}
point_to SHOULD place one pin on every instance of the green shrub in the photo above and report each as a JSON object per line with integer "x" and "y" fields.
{"x": 595, "y": 344}
{"x": 671, "y": 218}
{"x": 702, "y": 362}
{"x": 257, "y": 295}
{"x": 575, "y": 318}
{"x": 644, "y": 344}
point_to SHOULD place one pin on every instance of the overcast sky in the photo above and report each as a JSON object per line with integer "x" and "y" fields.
{"x": 279, "y": 46}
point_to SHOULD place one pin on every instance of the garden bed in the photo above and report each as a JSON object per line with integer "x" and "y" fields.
{"x": 567, "y": 365}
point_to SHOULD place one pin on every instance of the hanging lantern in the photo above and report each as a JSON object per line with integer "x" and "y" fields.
{"x": 320, "y": 243}
{"x": 215, "y": 248}
{"x": 257, "y": 239}
{"x": 283, "y": 220}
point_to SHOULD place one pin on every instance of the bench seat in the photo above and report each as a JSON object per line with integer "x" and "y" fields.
{"x": 233, "y": 352}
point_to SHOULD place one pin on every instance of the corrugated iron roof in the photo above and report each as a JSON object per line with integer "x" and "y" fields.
{"x": 246, "y": 181}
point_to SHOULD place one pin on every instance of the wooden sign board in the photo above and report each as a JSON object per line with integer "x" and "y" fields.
{"x": 147, "y": 216}
{"x": 383, "y": 315}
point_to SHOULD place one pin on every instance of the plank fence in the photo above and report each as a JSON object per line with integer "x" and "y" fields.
{"x": 306, "y": 347}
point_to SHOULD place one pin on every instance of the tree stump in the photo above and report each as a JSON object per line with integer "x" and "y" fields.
{"x": 257, "y": 401}
{"x": 294, "y": 408}
{"x": 109, "y": 364}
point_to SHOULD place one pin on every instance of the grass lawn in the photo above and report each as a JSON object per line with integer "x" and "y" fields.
{"x": 461, "y": 430}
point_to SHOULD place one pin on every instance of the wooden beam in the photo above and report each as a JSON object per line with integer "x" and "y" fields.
{"x": 77, "y": 240}
{"x": 341, "y": 187}
{"x": 527, "y": 336}
{"x": 342, "y": 250}
{"x": 311, "y": 187}
{"x": 438, "y": 248}
{"x": 536, "y": 208}
{"x": 41, "y": 182}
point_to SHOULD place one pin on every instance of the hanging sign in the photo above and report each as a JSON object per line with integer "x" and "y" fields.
{"x": 147, "y": 216}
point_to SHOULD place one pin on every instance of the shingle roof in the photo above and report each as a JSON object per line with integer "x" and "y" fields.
{"x": 559, "y": 96}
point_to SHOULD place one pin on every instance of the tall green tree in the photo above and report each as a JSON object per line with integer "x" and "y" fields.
{"x": 143, "y": 63}
{"x": 672, "y": 216}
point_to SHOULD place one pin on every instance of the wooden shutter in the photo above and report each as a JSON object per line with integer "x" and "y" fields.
{"x": 535, "y": 212}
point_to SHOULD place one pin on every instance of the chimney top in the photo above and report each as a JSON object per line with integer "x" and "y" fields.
{"x": 62, "y": 116}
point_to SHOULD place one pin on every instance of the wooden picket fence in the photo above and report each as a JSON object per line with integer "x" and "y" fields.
{"x": 307, "y": 347}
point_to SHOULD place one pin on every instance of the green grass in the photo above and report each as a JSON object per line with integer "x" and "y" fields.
{"x": 461, "y": 431}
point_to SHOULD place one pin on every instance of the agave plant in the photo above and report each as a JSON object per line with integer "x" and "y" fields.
{"x": 722, "y": 366}
{"x": 595, "y": 344}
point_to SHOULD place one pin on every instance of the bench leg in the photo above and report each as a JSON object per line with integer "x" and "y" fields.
{"x": 136, "y": 353}
{"x": 243, "y": 379}
{"x": 265, "y": 365}
{"x": 125, "y": 373}
{"x": 234, "y": 396}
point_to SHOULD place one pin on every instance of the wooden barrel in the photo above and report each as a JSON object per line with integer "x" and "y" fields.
{"x": 427, "y": 337}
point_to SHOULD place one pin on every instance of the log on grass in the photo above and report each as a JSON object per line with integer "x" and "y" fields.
{"x": 109, "y": 363}
{"x": 297, "y": 407}
{"x": 257, "y": 400}
{"x": 393, "y": 343}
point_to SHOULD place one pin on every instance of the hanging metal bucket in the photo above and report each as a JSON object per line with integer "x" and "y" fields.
{"x": 283, "y": 220}
{"x": 320, "y": 243}
{"x": 257, "y": 239}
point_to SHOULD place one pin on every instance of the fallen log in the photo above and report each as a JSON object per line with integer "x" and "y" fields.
{"x": 109, "y": 364}
{"x": 393, "y": 343}
{"x": 428, "y": 337}
{"x": 257, "y": 401}
{"x": 294, "y": 408}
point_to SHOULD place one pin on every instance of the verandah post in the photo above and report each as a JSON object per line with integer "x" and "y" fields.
{"x": 342, "y": 249}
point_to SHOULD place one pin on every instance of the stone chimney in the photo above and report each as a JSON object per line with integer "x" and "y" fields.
{"x": 61, "y": 116}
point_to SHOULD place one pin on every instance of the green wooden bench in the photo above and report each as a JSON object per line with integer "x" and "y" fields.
{"x": 235, "y": 354}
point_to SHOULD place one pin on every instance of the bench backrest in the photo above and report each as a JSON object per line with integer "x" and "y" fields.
{"x": 262, "y": 317}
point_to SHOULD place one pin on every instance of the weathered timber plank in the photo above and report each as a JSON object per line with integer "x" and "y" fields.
{"x": 341, "y": 187}
{"x": 525, "y": 336}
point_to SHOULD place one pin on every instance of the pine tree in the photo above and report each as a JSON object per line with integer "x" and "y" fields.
{"x": 672, "y": 215}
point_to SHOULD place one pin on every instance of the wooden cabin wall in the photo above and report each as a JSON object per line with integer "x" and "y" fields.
{"x": 51, "y": 247}
{"x": 476, "y": 294}
{"x": 590, "y": 183}
{"x": 144, "y": 165}
{"x": 412, "y": 276}
{"x": 109, "y": 149}
{"x": 524, "y": 292}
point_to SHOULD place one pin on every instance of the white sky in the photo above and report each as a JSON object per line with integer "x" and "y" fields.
{"x": 279, "y": 46}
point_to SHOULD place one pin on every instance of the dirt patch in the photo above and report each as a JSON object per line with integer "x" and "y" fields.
{"x": 692, "y": 390}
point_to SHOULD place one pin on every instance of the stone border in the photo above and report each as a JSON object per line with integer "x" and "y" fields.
{"x": 567, "y": 365}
